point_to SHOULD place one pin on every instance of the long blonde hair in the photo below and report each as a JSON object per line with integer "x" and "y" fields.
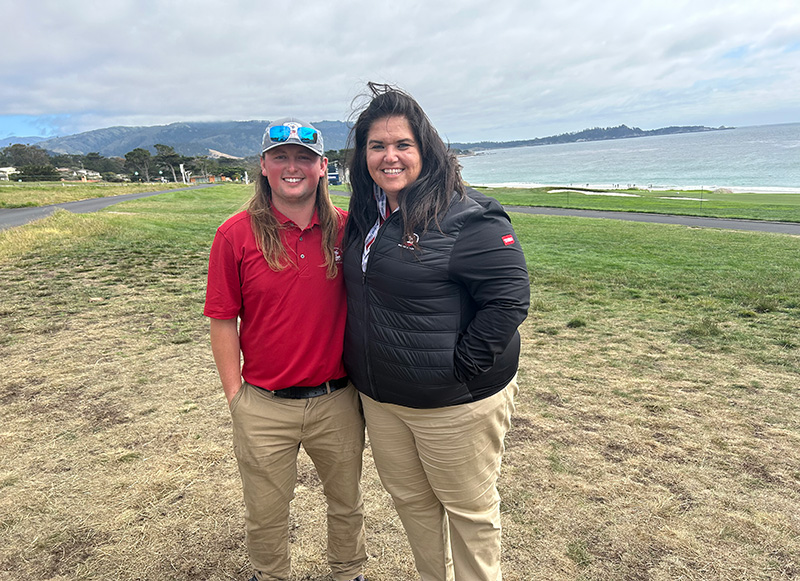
{"x": 267, "y": 229}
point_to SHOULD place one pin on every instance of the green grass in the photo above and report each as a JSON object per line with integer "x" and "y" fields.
{"x": 779, "y": 207}
{"x": 28, "y": 194}
{"x": 714, "y": 288}
{"x": 158, "y": 246}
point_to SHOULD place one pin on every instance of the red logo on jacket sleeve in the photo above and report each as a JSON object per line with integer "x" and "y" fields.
{"x": 508, "y": 240}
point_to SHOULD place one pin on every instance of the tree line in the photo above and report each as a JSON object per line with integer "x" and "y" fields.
{"x": 593, "y": 134}
{"x": 36, "y": 164}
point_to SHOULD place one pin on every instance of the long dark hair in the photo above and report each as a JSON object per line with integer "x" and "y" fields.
{"x": 424, "y": 201}
{"x": 267, "y": 229}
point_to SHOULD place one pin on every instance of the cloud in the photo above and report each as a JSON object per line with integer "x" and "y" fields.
{"x": 497, "y": 70}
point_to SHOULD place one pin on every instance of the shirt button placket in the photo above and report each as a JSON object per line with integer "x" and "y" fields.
{"x": 301, "y": 254}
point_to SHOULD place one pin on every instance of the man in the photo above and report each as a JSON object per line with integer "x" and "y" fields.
{"x": 276, "y": 267}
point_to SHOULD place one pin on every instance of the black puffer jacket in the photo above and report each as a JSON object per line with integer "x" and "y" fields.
{"x": 437, "y": 326}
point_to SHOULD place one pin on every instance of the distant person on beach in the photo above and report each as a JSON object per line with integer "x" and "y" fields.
{"x": 276, "y": 268}
{"x": 436, "y": 288}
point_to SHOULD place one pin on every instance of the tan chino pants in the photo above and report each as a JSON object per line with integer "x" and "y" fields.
{"x": 441, "y": 468}
{"x": 267, "y": 434}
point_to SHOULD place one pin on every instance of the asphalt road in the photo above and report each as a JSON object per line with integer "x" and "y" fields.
{"x": 10, "y": 217}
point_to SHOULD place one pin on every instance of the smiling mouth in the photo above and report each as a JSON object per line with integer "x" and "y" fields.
{"x": 293, "y": 180}
{"x": 392, "y": 171}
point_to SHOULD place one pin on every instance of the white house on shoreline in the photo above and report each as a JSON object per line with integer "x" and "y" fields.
{"x": 5, "y": 172}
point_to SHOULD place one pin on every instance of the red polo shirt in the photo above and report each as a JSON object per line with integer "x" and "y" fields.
{"x": 292, "y": 321}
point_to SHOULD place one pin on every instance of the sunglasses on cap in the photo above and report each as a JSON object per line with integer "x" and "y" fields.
{"x": 282, "y": 133}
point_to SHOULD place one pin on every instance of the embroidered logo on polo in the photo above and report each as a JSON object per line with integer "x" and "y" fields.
{"x": 337, "y": 255}
{"x": 508, "y": 239}
{"x": 410, "y": 241}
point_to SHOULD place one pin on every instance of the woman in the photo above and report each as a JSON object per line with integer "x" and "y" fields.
{"x": 436, "y": 288}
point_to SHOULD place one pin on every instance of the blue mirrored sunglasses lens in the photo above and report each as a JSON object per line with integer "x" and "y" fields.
{"x": 307, "y": 135}
{"x": 279, "y": 133}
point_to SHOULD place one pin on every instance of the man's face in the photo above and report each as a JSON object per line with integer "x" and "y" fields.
{"x": 293, "y": 173}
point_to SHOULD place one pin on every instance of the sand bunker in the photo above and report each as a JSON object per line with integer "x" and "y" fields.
{"x": 617, "y": 194}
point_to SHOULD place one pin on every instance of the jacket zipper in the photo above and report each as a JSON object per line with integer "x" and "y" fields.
{"x": 365, "y": 288}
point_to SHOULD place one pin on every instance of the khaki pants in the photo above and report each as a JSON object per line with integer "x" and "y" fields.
{"x": 267, "y": 434}
{"x": 441, "y": 467}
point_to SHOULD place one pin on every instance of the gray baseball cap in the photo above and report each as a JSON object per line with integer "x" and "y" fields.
{"x": 291, "y": 130}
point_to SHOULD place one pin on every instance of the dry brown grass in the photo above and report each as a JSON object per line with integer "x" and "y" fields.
{"x": 118, "y": 464}
{"x": 14, "y": 195}
{"x": 633, "y": 455}
{"x": 642, "y": 459}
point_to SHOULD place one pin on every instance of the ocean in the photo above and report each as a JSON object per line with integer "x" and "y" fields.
{"x": 764, "y": 158}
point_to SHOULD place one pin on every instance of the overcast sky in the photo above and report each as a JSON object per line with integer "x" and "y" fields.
{"x": 482, "y": 69}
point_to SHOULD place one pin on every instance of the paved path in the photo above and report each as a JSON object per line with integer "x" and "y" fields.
{"x": 693, "y": 221}
{"x": 10, "y": 217}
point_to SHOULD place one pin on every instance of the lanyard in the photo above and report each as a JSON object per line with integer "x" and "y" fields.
{"x": 383, "y": 215}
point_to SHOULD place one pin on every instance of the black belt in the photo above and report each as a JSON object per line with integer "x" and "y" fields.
{"x": 301, "y": 392}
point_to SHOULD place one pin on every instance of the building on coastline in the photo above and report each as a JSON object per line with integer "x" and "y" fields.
{"x": 83, "y": 175}
{"x": 6, "y": 173}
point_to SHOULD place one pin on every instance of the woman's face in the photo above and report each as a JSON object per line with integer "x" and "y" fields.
{"x": 393, "y": 156}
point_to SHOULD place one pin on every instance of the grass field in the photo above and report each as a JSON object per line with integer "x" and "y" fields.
{"x": 717, "y": 204}
{"x": 657, "y": 433}
{"x": 20, "y": 195}
{"x": 779, "y": 207}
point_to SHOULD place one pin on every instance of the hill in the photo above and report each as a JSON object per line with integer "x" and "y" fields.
{"x": 243, "y": 138}
{"x": 236, "y": 138}
{"x": 6, "y": 141}
{"x": 594, "y": 134}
